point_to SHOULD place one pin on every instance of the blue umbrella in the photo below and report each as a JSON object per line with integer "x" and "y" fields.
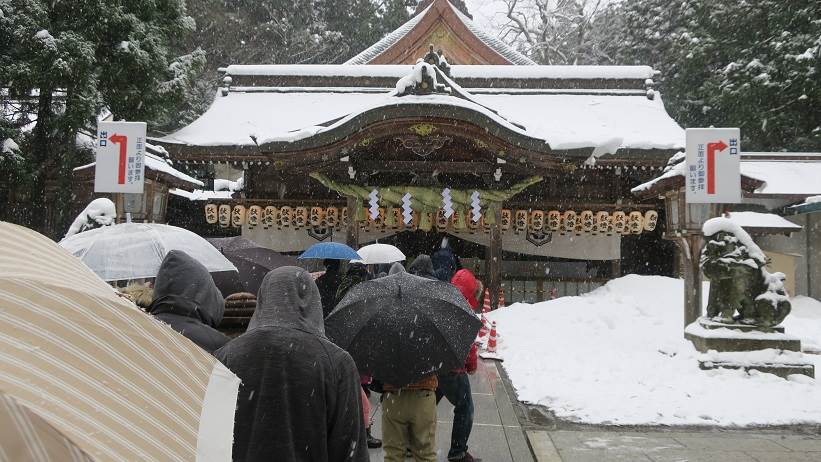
{"x": 330, "y": 250}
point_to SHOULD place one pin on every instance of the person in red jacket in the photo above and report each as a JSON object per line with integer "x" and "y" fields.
{"x": 455, "y": 386}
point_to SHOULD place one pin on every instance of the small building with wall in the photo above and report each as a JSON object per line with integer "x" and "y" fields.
{"x": 775, "y": 186}
{"x": 150, "y": 206}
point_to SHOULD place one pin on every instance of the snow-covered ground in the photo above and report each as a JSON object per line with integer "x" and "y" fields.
{"x": 618, "y": 356}
{"x": 804, "y": 321}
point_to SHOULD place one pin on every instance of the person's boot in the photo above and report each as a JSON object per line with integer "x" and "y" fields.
{"x": 373, "y": 443}
{"x": 466, "y": 458}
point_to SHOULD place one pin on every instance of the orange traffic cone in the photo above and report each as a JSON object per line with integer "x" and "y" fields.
{"x": 486, "y": 302}
{"x": 491, "y": 343}
{"x": 501, "y": 297}
{"x": 483, "y": 330}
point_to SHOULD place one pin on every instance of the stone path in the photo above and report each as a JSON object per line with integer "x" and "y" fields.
{"x": 497, "y": 435}
{"x": 673, "y": 446}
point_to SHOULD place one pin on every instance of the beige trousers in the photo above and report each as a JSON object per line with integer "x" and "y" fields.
{"x": 409, "y": 421}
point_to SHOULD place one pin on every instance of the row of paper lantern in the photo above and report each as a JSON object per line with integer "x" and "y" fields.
{"x": 568, "y": 221}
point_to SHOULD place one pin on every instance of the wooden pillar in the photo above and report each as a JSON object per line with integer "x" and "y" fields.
{"x": 615, "y": 268}
{"x": 690, "y": 249}
{"x": 352, "y": 230}
{"x": 494, "y": 259}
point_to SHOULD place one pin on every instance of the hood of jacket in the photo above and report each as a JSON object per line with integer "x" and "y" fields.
{"x": 467, "y": 283}
{"x": 445, "y": 263}
{"x": 396, "y": 268}
{"x": 422, "y": 266}
{"x": 184, "y": 287}
{"x": 288, "y": 297}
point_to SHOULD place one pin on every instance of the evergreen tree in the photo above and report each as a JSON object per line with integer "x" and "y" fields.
{"x": 751, "y": 64}
{"x": 277, "y": 32}
{"x": 64, "y": 61}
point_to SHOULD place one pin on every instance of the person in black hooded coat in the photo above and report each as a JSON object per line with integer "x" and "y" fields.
{"x": 300, "y": 398}
{"x": 186, "y": 298}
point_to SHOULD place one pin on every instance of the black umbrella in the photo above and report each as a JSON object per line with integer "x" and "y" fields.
{"x": 401, "y": 328}
{"x": 252, "y": 261}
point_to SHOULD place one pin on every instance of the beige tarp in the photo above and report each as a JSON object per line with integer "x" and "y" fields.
{"x": 85, "y": 375}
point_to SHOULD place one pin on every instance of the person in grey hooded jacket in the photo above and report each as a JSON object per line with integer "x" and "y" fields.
{"x": 422, "y": 266}
{"x": 186, "y": 298}
{"x": 300, "y": 398}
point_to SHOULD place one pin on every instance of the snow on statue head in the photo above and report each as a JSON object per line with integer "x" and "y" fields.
{"x": 741, "y": 288}
{"x": 99, "y": 212}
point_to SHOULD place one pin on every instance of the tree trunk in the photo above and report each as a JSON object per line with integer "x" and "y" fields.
{"x": 41, "y": 155}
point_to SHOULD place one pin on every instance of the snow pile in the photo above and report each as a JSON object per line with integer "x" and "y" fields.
{"x": 229, "y": 185}
{"x": 421, "y": 70}
{"x": 617, "y": 355}
{"x": 99, "y": 212}
{"x": 223, "y": 189}
{"x": 804, "y": 322}
{"x": 811, "y": 200}
{"x": 201, "y": 194}
{"x": 721, "y": 224}
{"x": 10, "y": 149}
{"x": 46, "y": 39}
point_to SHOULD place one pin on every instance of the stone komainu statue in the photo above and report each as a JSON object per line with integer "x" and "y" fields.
{"x": 741, "y": 288}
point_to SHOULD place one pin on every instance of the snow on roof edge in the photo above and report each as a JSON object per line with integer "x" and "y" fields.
{"x": 458, "y": 71}
{"x": 157, "y": 164}
{"x": 762, "y": 220}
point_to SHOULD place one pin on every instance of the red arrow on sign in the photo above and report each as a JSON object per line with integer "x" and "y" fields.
{"x": 712, "y": 148}
{"x": 122, "y": 140}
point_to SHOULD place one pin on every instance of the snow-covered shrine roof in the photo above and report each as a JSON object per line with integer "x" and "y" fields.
{"x": 811, "y": 204}
{"x": 758, "y": 222}
{"x": 561, "y": 107}
{"x": 422, "y": 22}
{"x": 159, "y": 165}
{"x": 791, "y": 175}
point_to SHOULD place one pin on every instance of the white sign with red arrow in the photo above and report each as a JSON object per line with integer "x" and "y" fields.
{"x": 713, "y": 166}
{"x": 120, "y": 151}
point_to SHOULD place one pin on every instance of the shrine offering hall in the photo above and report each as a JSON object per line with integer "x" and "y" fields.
{"x": 440, "y": 130}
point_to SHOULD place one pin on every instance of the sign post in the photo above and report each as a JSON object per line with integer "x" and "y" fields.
{"x": 713, "y": 176}
{"x": 120, "y": 150}
{"x": 713, "y": 173}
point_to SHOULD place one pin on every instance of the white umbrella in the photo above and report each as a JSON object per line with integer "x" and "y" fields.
{"x": 136, "y": 250}
{"x": 375, "y": 254}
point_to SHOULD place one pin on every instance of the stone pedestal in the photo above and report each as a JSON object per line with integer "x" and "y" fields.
{"x": 766, "y": 349}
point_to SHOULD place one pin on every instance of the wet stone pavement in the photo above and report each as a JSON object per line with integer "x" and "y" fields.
{"x": 674, "y": 446}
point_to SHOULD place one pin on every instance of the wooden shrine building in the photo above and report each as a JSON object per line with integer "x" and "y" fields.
{"x": 521, "y": 163}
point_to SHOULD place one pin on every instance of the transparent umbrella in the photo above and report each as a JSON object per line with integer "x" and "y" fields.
{"x": 136, "y": 250}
